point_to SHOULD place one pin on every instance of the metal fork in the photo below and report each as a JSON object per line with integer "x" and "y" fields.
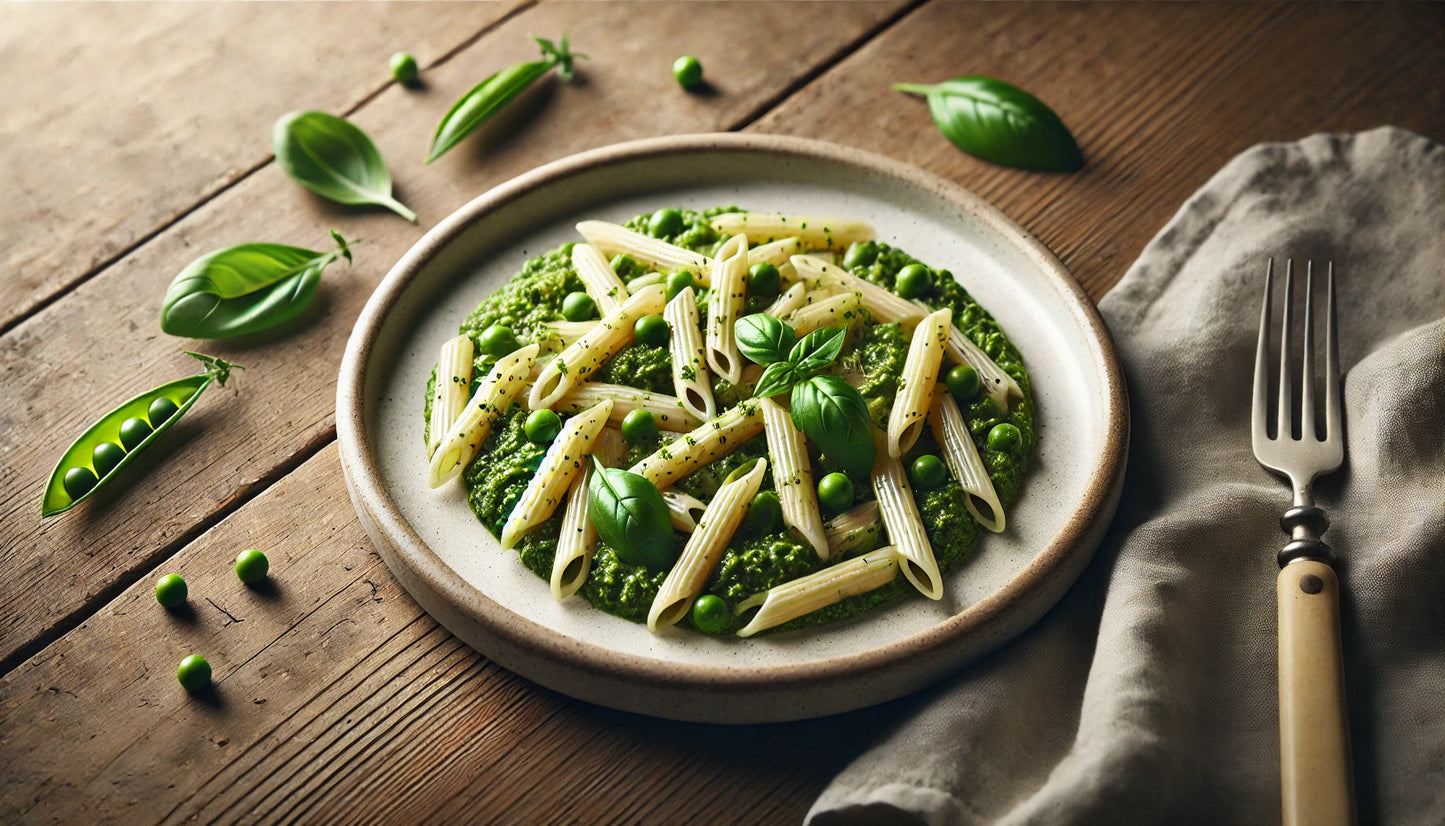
{"x": 1315, "y": 776}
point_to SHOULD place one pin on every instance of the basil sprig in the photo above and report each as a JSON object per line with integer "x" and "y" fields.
{"x": 245, "y": 289}
{"x": 999, "y": 122}
{"x": 763, "y": 338}
{"x": 631, "y": 517}
{"x": 333, "y": 158}
{"x": 485, "y": 99}
{"x": 767, "y": 340}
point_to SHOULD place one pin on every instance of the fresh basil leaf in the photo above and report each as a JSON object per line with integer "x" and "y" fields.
{"x": 333, "y": 158}
{"x": 485, "y": 99}
{"x": 817, "y": 349}
{"x": 631, "y": 517}
{"x": 835, "y": 418}
{"x": 244, "y": 289}
{"x": 1000, "y": 122}
{"x": 776, "y": 378}
{"x": 763, "y": 338}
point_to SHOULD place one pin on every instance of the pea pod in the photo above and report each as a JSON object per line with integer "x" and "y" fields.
{"x": 80, "y": 456}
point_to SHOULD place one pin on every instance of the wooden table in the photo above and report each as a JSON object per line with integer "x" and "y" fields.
{"x": 136, "y": 137}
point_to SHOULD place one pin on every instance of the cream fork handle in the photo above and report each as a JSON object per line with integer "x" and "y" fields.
{"x": 1314, "y": 740}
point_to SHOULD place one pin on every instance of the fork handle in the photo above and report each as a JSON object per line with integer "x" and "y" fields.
{"x": 1314, "y": 739}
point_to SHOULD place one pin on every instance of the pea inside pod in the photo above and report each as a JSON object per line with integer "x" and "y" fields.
{"x": 101, "y": 452}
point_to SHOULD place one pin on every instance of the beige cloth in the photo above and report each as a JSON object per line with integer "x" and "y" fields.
{"x": 1148, "y": 695}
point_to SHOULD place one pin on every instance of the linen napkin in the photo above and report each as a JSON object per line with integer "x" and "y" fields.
{"x": 1148, "y": 695}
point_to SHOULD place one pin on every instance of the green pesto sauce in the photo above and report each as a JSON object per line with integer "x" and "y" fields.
{"x": 872, "y": 359}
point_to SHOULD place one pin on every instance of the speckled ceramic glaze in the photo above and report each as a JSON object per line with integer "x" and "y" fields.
{"x": 460, "y": 574}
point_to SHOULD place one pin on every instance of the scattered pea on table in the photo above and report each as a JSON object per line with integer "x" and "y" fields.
{"x": 687, "y": 71}
{"x": 251, "y": 566}
{"x": 171, "y": 590}
{"x": 194, "y": 673}
{"x": 403, "y": 67}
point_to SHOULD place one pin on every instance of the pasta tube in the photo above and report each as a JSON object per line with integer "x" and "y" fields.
{"x": 684, "y": 510}
{"x": 560, "y": 466}
{"x": 840, "y": 310}
{"x": 454, "y": 380}
{"x": 819, "y": 589}
{"x": 992, "y": 378}
{"x": 961, "y": 456}
{"x": 503, "y": 383}
{"x": 776, "y": 252}
{"x": 724, "y": 306}
{"x": 576, "y": 541}
{"x": 702, "y": 446}
{"x": 597, "y": 276}
{"x": 812, "y": 232}
{"x": 793, "y": 477}
{"x": 689, "y": 373}
{"x": 569, "y": 331}
{"x": 704, "y": 548}
{"x": 904, "y": 524}
{"x": 668, "y": 410}
{"x": 795, "y": 297}
{"x": 613, "y": 239}
{"x": 854, "y": 529}
{"x": 585, "y": 355}
{"x": 916, "y": 385}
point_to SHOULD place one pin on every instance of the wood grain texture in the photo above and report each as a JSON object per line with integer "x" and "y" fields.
{"x": 1159, "y": 96}
{"x": 125, "y": 120}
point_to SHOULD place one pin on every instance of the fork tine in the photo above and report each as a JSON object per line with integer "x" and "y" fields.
{"x": 1259, "y": 424}
{"x": 1307, "y": 361}
{"x": 1285, "y": 430}
{"x": 1332, "y": 364}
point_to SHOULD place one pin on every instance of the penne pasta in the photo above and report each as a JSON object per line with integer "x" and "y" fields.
{"x": 611, "y": 447}
{"x": 502, "y": 384}
{"x": 793, "y": 477}
{"x": 992, "y": 378}
{"x": 584, "y": 356}
{"x": 453, "y": 386}
{"x": 961, "y": 455}
{"x": 776, "y": 252}
{"x": 795, "y": 297}
{"x": 606, "y": 289}
{"x": 904, "y": 524}
{"x": 724, "y": 306}
{"x": 613, "y": 239}
{"x": 702, "y": 446}
{"x": 646, "y": 280}
{"x": 668, "y": 410}
{"x": 812, "y": 232}
{"x": 569, "y": 331}
{"x": 855, "y": 529}
{"x": 690, "y": 379}
{"x": 684, "y": 510}
{"x": 704, "y": 548}
{"x": 575, "y": 542}
{"x": 819, "y": 589}
{"x": 560, "y": 466}
{"x": 841, "y": 310}
{"x": 920, "y": 377}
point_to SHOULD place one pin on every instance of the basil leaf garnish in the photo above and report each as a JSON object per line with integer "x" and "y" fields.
{"x": 333, "y": 158}
{"x": 835, "y": 418}
{"x": 999, "y": 122}
{"x": 485, "y": 99}
{"x": 630, "y": 516}
{"x": 817, "y": 349}
{"x": 245, "y": 289}
{"x": 763, "y": 338}
{"x": 776, "y": 378}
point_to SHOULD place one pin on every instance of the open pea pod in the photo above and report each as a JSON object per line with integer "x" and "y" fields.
{"x": 80, "y": 456}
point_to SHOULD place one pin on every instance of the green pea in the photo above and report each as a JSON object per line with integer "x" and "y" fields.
{"x": 498, "y": 341}
{"x": 835, "y": 492}
{"x": 106, "y": 456}
{"x": 860, "y": 254}
{"x": 652, "y": 330}
{"x": 928, "y": 472}
{"x": 78, "y": 481}
{"x": 639, "y": 425}
{"x": 626, "y": 266}
{"x": 578, "y": 307}
{"x": 542, "y": 426}
{"x": 1005, "y": 438}
{"x": 251, "y": 566}
{"x": 687, "y": 70}
{"x": 765, "y": 514}
{"x": 160, "y": 410}
{"x": 756, "y": 304}
{"x": 710, "y": 614}
{"x": 915, "y": 281}
{"x": 133, "y": 431}
{"x": 677, "y": 282}
{"x": 963, "y": 383}
{"x": 194, "y": 673}
{"x": 403, "y": 67}
{"x": 171, "y": 590}
{"x": 664, "y": 223}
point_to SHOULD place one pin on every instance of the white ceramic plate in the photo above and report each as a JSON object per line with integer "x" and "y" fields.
{"x": 460, "y": 574}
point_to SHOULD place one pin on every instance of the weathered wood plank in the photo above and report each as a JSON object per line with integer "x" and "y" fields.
{"x": 125, "y": 119}
{"x": 102, "y": 344}
{"x": 1159, "y": 96}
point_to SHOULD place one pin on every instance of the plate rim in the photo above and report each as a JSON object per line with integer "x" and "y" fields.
{"x": 1024, "y": 598}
